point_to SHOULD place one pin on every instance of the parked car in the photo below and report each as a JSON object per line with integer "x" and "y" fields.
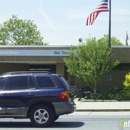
{"x": 40, "y": 96}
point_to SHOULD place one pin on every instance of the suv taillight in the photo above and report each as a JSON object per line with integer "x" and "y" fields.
{"x": 64, "y": 95}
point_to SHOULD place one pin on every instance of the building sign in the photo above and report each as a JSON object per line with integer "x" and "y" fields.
{"x": 33, "y": 53}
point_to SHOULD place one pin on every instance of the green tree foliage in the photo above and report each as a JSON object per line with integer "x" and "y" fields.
{"x": 114, "y": 41}
{"x": 19, "y": 32}
{"x": 90, "y": 61}
{"x": 127, "y": 81}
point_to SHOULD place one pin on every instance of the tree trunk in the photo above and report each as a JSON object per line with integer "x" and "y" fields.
{"x": 95, "y": 91}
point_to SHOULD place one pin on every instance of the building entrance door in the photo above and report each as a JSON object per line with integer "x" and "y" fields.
{"x": 43, "y": 67}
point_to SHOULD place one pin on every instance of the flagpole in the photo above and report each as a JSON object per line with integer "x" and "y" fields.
{"x": 109, "y": 45}
{"x": 109, "y": 39}
{"x": 126, "y": 41}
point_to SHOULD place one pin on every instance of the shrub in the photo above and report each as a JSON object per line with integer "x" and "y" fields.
{"x": 120, "y": 94}
{"x": 127, "y": 81}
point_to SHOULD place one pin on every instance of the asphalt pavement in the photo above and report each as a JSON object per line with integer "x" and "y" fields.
{"x": 98, "y": 105}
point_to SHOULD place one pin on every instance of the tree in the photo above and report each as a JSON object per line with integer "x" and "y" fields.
{"x": 114, "y": 41}
{"x": 90, "y": 61}
{"x": 19, "y": 32}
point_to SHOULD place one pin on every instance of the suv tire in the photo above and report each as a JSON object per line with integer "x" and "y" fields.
{"x": 41, "y": 116}
{"x": 55, "y": 118}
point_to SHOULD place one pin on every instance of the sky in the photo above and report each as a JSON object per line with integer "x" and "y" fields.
{"x": 63, "y": 22}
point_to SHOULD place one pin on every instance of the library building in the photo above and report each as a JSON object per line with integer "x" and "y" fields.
{"x": 50, "y": 58}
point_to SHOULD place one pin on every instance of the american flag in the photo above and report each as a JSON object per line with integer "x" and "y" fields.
{"x": 102, "y": 7}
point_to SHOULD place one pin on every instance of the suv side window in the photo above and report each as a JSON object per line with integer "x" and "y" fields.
{"x": 45, "y": 82}
{"x": 21, "y": 82}
{"x": 18, "y": 83}
{"x": 2, "y": 83}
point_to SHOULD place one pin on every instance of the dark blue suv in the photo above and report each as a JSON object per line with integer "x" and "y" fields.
{"x": 40, "y": 96}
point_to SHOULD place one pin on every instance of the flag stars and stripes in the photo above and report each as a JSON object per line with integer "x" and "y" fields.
{"x": 102, "y": 7}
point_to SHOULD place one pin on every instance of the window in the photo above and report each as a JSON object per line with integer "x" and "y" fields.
{"x": 18, "y": 83}
{"x": 45, "y": 82}
{"x": 22, "y": 82}
{"x": 2, "y": 83}
{"x": 122, "y": 66}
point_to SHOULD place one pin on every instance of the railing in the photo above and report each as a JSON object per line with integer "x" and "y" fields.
{"x": 80, "y": 92}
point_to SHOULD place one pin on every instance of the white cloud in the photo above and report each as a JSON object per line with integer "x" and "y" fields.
{"x": 121, "y": 11}
{"x": 45, "y": 16}
{"x": 69, "y": 27}
{"x": 76, "y": 14}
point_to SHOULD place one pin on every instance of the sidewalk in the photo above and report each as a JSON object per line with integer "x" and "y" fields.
{"x": 84, "y": 105}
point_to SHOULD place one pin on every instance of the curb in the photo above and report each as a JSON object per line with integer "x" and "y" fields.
{"x": 102, "y": 110}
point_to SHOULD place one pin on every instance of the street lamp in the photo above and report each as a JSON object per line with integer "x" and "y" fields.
{"x": 80, "y": 39}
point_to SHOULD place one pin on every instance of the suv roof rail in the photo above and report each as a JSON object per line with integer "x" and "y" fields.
{"x": 23, "y": 72}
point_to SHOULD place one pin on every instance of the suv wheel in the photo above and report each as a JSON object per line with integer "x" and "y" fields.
{"x": 41, "y": 115}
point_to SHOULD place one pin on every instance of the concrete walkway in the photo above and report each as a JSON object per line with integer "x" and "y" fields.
{"x": 84, "y": 105}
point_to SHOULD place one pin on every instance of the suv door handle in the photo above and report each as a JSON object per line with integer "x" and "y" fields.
{"x": 30, "y": 94}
